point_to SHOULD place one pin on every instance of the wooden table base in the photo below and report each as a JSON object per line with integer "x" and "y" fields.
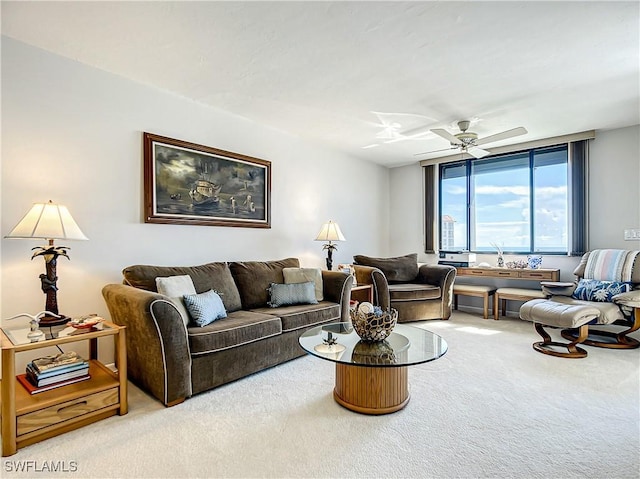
{"x": 370, "y": 389}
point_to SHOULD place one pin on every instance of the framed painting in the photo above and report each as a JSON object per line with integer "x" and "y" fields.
{"x": 189, "y": 184}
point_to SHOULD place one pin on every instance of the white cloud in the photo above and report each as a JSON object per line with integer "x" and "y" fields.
{"x": 456, "y": 190}
{"x": 549, "y": 192}
{"x": 502, "y": 190}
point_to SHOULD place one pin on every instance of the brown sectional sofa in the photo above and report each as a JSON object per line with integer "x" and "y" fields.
{"x": 172, "y": 361}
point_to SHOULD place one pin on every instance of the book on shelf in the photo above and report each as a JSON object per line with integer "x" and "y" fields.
{"x": 56, "y": 362}
{"x": 22, "y": 379}
{"x": 54, "y": 372}
{"x": 38, "y": 380}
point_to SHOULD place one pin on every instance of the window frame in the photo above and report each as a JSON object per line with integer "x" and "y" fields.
{"x": 531, "y": 153}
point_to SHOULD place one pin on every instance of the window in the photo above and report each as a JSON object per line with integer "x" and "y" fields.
{"x": 518, "y": 201}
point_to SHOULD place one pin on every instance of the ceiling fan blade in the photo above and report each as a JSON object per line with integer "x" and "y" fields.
{"x": 477, "y": 152}
{"x": 434, "y": 151}
{"x": 447, "y": 136}
{"x": 502, "y": 136}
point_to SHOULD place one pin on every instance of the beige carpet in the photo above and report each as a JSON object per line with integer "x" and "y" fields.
{"x": 491, "y": 407}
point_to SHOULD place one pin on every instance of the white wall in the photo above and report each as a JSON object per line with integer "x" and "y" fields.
{"x": 73, "y": 134}
{"x": 614, "y": 187}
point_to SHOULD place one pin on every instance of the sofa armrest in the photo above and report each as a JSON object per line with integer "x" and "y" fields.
{"x": 158, "y": 356}
{"x": 375, "y": 276}
{"x": 337, "y": 288}
{"x": 443, "y": 276}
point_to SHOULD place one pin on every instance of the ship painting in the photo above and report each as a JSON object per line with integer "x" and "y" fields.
{"x": 203, "y": 192}
{"x": 194, "y": 184}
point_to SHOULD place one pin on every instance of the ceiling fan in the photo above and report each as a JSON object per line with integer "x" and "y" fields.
{"x": 468, "y": 141}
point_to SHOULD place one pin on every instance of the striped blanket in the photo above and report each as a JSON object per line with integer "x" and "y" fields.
{"x": 610, "y": 264}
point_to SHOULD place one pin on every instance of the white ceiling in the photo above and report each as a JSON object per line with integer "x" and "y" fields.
{"x": 321, "y": 70}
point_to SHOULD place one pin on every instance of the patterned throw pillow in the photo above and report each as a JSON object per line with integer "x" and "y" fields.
{"x": 601, "y": 291}
{"x": 294, "y": 293}
{"x": 205, "y": 308}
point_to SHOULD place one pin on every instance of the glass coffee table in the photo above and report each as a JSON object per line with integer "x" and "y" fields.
{"x": 372, "y": 377}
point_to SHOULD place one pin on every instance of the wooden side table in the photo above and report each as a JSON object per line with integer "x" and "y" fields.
{"x": 362, "y": 293}
{"x": 27, "y": 418}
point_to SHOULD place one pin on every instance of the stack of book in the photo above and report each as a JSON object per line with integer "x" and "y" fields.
{"x": 52, "y": 372}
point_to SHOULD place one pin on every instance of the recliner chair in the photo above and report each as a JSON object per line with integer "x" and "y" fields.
{"x": 606, "y": 293}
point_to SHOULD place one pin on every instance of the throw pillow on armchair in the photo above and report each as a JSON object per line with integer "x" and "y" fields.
{"x": 399, "y": 269}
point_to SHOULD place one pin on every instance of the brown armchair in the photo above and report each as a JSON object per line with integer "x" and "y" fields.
{"x": 417, "y": 292}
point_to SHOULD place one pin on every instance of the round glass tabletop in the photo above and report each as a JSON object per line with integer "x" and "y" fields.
{"x": 406, "y": 345}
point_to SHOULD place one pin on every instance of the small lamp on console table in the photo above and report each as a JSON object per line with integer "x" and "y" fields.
{"x": 50, "y": 222}
{"x": 330, "y": 231}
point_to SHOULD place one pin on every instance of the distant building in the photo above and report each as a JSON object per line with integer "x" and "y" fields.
{"x": 448, "y": 242}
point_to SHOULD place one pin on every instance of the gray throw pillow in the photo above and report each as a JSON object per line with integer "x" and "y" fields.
{"x": 205, "y": 308}
{"x": 294, "y": 293}
{"x": 400, "y": 269}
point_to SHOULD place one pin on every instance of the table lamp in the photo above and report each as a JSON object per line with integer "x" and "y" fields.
{"x": 330, "y": 231}
{"x": 50, "y": 222}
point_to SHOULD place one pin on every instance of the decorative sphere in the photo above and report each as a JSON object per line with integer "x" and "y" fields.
{"x": 366, "y": 308}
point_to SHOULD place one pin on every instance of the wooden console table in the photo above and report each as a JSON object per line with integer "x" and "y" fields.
{"x": 507, "y": 273}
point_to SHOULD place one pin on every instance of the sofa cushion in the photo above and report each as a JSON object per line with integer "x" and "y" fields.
{"x": 216, "y": 276}
{"x": 239, "y": 327}
{"x": 175, "y": 287}
{"x": 294, "y": 293}
{"x": 398, "y": 269}
{"x": 254, "y": 277}
{"x": 304, "y": 316}
{"x": 413, "y": 292}
{"x": 303, "y": 275}
{"x": 205, "y": 308}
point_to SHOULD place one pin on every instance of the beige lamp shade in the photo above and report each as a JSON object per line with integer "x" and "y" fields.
{"x": 47, "y": 221}
{"x": 330, "y": 231}
{"x": 51, "y": 222}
